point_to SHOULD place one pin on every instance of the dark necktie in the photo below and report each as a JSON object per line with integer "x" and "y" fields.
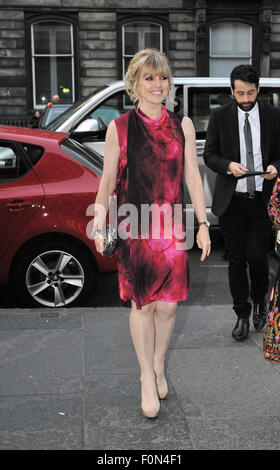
{"x": 251, "y": 185}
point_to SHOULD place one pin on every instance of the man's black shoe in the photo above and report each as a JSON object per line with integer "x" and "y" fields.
{"x": 259, "y": 314}
{"x": 241, "y": 329}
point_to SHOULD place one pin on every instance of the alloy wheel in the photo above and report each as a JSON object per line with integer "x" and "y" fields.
{"x": 55, "y": 278}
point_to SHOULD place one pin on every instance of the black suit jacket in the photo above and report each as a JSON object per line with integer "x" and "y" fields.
{"x": 222, "y": 146}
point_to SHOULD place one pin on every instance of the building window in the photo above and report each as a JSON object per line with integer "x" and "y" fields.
{"x": 52, "y": 62}
{"x": 230, "y": 45}
{"x": 137, "y": 36}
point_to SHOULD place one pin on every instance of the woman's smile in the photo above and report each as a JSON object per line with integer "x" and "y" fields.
{"x": 154, "y": 87}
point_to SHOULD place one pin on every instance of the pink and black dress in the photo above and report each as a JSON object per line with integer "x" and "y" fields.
{"x": 152, "y": 259}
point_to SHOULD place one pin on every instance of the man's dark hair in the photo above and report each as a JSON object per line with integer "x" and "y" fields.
{"x": 246, "y": 73}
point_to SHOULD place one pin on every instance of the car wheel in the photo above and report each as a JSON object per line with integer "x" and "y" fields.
{"x": 54, "y": 274}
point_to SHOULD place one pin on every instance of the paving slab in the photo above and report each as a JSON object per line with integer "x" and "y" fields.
{"x": 203, "y": 327}
{"x": 259, "y": 432}
{"x": 108, "y": 346}
{"x": 41, "y": 422}
{"x": 40, "y": 361}
{"x": 114, "y": 419}
{"x": 249, "y": 387}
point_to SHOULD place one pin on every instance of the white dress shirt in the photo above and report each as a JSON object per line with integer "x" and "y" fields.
{"x": 254, "y": 120}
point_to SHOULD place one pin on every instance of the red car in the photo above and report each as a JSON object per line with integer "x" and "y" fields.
{"x": 48, "y": 183}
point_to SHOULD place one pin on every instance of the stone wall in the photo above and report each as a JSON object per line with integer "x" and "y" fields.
{"x": 275, "y": 45}
{"x": 13, "y": 93}
{"x": 182, "y": 44}
{"x": 98, "y": 50}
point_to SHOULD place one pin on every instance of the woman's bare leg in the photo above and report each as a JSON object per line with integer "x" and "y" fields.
{"x": 142, "y": 330}
{"x": 164, "y": 319}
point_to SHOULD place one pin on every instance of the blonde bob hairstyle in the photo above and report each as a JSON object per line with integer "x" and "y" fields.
{"x": 145, "y": 62}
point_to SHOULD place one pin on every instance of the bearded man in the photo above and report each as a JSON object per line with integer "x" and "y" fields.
{"x": 243, "y": 148}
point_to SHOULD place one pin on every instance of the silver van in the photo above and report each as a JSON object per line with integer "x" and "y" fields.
{"x": 196, "y": 97}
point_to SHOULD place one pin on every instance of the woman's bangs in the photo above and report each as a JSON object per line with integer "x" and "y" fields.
{"x": 156, "y": 66}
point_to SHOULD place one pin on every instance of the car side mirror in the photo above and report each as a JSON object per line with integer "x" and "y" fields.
{"x": 90, "y": 126}
{"x": 90, "y": 130}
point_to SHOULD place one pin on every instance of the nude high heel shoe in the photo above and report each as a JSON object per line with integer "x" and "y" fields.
{"x": 162, "y": 387}
{"x": 150, "y": 409}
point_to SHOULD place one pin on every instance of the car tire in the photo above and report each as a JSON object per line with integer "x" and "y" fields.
{"x": 54, "y": 274}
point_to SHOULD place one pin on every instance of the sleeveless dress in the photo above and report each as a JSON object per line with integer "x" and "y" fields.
{"x": 152, "y": 258}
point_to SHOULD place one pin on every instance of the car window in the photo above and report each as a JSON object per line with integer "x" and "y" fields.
{"x": 203, "y": 101}
{"x": 52, "y": 113}
{"x": 270, "y": 96}
{"x": 179, "y": 100}
{"x": 201, "y": 104}
{"x": 77, "y": 105}
{"x": 12, "y": 163}
{"x": 113, "y": 107}
{"x": 34, "y": 153}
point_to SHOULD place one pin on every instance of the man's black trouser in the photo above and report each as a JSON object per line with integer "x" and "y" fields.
{"x": 246, "y": 229}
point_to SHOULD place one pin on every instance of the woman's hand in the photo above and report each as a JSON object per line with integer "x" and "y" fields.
{"x": 106, "y": 186}
{"x": 203, "y": 241}
{"x": 99, "y": 243}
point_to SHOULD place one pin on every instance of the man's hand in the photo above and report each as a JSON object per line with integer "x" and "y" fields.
{"x": 272, "y": 173}
{"x": 237, "y": 169}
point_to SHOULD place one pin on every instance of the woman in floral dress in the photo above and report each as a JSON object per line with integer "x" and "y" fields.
{"x": 149, "y": 152}
{"x": 271, "y": 342}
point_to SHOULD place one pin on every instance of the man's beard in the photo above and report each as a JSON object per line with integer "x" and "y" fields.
{"x": 246, "y": 108}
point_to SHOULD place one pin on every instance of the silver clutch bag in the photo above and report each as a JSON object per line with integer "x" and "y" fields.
{"x": 110, "y": 241}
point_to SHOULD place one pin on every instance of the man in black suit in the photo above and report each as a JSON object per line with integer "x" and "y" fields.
{"x": 244, "y": 137}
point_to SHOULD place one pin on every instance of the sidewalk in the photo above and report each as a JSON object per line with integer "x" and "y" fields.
{"x": 70, "y": 380}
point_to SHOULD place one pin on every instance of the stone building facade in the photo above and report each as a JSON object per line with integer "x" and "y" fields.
{"x": 197, "y": 35}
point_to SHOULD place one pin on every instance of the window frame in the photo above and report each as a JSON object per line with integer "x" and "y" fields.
{"x": 34, "y": 56}
{"x": 72, "y": 19}
{"x": 160, "y": 19}
{"x": 127, "y": 56}
{"x": 202, "y": 56}
{"x": 236, "y": 56}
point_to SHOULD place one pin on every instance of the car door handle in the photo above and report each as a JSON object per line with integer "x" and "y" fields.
{"x": 19, "y": 205}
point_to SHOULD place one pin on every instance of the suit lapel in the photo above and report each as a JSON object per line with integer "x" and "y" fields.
{"x": 264, "y": 122}
{"x": 235, "y": 132}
